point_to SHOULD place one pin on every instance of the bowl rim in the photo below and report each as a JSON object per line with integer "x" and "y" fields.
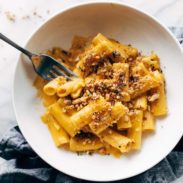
{"x": 57, "y": 13}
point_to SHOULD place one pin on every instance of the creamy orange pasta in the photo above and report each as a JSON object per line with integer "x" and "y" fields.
{"x": 118, "y": 94}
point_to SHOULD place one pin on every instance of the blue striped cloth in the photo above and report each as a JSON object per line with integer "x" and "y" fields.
{"x": 20, "y": 164}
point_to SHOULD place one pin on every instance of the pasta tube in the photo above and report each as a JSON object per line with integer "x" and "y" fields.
{"x": 51, "y": 87}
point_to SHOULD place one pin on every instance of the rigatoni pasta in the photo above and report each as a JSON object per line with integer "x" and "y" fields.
{"x": 115, "y": 99}
{"x": 51, "y": 87}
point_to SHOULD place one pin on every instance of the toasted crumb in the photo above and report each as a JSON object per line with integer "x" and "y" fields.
{"x": 10, "y": 16}
{"x": 64, "y": 110}
{"x": 26, "y": 17}
{"x": 36, "y": 14}
{"x": 153, "y": 97}
{"x": 67, "y": 102}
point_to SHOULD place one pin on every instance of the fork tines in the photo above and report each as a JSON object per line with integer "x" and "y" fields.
{"x": 58, "y": 69}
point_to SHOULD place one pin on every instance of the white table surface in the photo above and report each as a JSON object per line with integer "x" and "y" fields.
{"x": 26, "y": 21}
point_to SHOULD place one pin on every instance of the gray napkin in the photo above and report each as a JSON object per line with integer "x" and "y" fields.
{"x": 20, "y": 164}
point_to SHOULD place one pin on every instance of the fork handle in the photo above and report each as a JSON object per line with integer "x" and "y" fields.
{"x": 7, "y": 40}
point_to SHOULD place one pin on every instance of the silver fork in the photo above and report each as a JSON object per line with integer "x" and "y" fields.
{"x": 45, "y": 66}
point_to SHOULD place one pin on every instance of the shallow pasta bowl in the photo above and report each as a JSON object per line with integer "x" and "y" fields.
{"x": 129, "y": 26}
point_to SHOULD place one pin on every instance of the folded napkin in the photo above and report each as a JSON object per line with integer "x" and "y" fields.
{"x": 20, "y": 164}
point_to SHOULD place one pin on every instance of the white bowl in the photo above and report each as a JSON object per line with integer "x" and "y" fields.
{"x": 127, "y": 25}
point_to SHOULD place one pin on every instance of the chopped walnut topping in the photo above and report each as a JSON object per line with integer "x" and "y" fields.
{"x": 102, "y": 150}
{"x": 109, "y": 90}
{"x": 83, "y": 135}
{"x": 96, "y": 116}
{"x": 133, "y": 79}
{"x": 116, "y": 54}
{"x": 91, "y": 64}
{"x": 130, "y": 59}
{"x": 86, "y": 141}
{"x": 79, "y": 100}
{"x": 78, "y": 103}
{"x": 67, "y": 102}
{"x": 153, "y": 97}
{"x": 131, "y": 113}
{"x": 105, "y": 71}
